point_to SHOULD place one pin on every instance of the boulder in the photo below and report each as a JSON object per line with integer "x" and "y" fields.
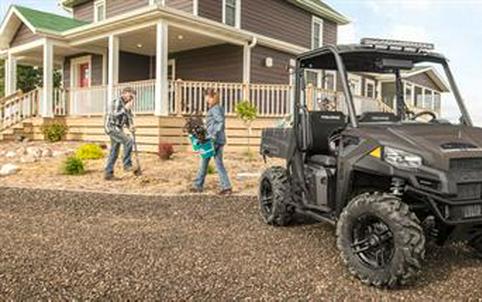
{"x": 8, "y": 169}
{"x": 21, "y": 151}
{"x": 58, "y": 153}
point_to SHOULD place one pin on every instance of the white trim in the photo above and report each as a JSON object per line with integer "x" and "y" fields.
{"x": 113, "y": 68}
{"x": 319, "y": 21}
{"x": 46, "y": 106}
{"x": 161, "y": 101}
{"x": 195, "y": 7}
{"x": 74, "y": 71}
{"x": 98, "y": 3}
{"x": 237, "y": 15}
{"x": 373, "y": 83}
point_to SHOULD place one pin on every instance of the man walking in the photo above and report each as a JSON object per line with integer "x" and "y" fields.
{"x": 120, "y": 116}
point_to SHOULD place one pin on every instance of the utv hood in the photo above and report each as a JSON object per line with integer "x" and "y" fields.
{"x": 435, "y": 143}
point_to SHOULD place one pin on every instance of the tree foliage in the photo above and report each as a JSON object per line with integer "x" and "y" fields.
{"x": 247, "y": 112}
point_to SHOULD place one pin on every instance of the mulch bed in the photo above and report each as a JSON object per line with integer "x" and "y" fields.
{"x": 63, "y": 245}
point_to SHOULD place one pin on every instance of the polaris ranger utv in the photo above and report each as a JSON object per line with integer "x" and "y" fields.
{"x": 390, "y": 182}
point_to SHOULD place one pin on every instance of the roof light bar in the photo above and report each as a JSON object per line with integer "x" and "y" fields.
{"x": 396, "y": 44}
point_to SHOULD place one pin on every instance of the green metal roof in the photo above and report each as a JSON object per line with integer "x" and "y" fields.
{"x": 48, "y": 21}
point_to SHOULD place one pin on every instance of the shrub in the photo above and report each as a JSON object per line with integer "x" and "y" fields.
{"x": 166, "y": 150}
{"x": 73, "y": 166}
{"x": 54, "y": 132}
{"x": 247, "y": 112}
{"x": 89, "y": 151}
{"x": 211, "y": 170}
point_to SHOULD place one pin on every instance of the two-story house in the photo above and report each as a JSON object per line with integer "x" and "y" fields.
{"x": 168, "y": 50}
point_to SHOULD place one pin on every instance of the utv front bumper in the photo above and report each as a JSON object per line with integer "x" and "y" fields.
{"x": 451, "y": 212}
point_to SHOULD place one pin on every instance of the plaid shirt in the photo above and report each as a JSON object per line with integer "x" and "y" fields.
{"x": 118, "y": 117}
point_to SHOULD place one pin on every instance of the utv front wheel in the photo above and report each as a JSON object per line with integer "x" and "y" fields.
{"x": 274, "y": 197}
{"x": 380, "y": 240}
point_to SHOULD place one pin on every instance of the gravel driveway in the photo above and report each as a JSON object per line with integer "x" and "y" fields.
{"x": 86, "y": 246}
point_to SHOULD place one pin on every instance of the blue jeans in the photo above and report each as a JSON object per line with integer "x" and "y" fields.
{"x": 203, "y": 171}
{"x": 118, "y": 138}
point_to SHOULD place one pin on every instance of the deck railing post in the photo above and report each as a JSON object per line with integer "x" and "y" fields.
{"x": 178, "y": 96}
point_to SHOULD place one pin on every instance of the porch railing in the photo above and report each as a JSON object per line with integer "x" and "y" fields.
{"x": 16, "y": 109}
{"x": 187, "y": 97}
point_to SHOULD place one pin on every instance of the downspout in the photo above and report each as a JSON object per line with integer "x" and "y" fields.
{"x": 247, "y": 60}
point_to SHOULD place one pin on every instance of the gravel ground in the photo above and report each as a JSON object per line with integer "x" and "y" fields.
{"x": 87, "y": 246}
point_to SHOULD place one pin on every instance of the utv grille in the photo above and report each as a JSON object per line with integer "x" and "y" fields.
{"x": 472, "y": 191}
{"x": 466, "y": 212}
{"x": 466, "y": 164}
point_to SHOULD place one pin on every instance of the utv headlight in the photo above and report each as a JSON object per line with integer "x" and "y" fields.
{"x": 401, "y": 159}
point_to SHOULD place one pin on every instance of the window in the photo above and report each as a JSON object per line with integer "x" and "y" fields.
{"x": 99, "y": 10}
{"x": 329, "y": 80}
{"x": 355, "y": 84}
{"x": 369, "y": 88}
{"x": 313, "y": 77}
{"x": 232, "y": 12}
{"x": 428, "y": 102}
{"x": 437, "y": 106}
{"x": 418, "y": 97}
{"x": 408, "y": 94}
{"x": 317, "y": 33}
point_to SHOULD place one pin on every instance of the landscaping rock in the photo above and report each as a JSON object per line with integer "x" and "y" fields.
{"x": 58, "y": 153}
{"x": 11, "y": 154}
{"x": 8, "y": 169}
{"x": 21, "y": 151}
{"x": 34, "y": 151}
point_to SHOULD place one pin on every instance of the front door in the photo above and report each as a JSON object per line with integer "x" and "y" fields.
{"x": 84, "y": 71}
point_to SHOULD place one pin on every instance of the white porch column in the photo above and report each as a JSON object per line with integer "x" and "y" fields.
{"x": 46, "y": 106}
{"x": 10, "y": 74}
{"x": 113, "y": 65}
{"x": 246, "y": 64}
{"x": 161, "y": 105}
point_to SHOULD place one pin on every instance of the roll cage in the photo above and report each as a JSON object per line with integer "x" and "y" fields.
{"x": 367, "y": 58}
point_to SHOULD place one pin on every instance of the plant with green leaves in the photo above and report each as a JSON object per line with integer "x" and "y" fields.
{"x": 73, "y": 166}
{"x": 248, "y": 113}
{"x": 54, "y": 132}
{"x": 89, "y": 152}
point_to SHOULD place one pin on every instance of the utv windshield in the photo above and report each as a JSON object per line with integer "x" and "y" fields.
{"x": 381, "y": 85}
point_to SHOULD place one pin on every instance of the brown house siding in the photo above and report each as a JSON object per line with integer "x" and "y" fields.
{"x": 117, "y": 7}
{"x": 133, "y": 67}
{"x": 185, "y": 5}
{"x": 278, "y": 74}
{"x": 211, "y": 9}
{"x": 330, "y": 32}
{"x": 97, "y": 72}
{"x": 222, "y": 63}
{"x": 424, "y": 80}
{"x": 277, "y": 19}
{"x": 84, "y": 11}
{"x": 23, "y": 35}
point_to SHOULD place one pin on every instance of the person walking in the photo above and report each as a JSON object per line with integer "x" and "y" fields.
{"x": 120, "y": 116}
{"x": 215, "y": 125}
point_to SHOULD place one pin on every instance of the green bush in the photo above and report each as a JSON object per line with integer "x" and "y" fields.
{"x": 54, "y": 132}
{"x": 89, "y": 151}
{"x": 73, "y": 166}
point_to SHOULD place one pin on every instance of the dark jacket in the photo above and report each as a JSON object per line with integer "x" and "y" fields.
{"x": 216, "y": 124}
{"x": 118, "y": 117}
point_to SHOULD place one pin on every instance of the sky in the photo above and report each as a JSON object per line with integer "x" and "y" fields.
{"x": 454, "y": 26}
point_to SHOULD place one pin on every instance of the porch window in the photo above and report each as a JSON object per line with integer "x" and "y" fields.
{"x": 355, "y": 84}
{"x": 370, "y": 88}
{"x": 313, "y": 77}
{"x": 232, "y": 12}
{"x": 428, "y": 104}
{"x": 99, "y": 10}
{"x": 317, "y": 33}
{"x": 408, "y": 93}
{"x": 437, "y": 100}
{"x": 329, "y": 80}
{"x": 418, "y": 97}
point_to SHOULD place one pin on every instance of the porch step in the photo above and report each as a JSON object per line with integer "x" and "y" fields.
{"x": 24, "y": 129}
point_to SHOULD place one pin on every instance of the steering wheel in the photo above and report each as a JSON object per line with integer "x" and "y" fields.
{"x": 417, "y": 115}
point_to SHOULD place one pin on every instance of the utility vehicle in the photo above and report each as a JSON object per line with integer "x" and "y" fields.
{"x": 390, "y": 182}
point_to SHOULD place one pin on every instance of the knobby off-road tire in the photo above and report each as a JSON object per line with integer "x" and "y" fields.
{"x": 274, "y": 195}
{"x": 476, "y": 244}
{"x": 380, "y": 240}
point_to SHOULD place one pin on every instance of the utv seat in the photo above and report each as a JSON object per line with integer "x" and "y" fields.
{"x": 322, "y": 124}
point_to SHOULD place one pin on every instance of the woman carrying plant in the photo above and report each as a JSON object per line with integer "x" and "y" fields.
{"x": 215, "y": 125}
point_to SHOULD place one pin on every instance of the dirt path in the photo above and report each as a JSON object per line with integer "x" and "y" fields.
{"x": 64, "y": 246}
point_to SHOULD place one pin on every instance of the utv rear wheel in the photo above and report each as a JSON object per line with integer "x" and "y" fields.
{"x": 476, "y": 244}
{"x": 274, "y": 197}
{"x": 380, "y": 240}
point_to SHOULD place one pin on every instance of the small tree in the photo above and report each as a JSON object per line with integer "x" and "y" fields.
{"x": 247, "y": 113}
